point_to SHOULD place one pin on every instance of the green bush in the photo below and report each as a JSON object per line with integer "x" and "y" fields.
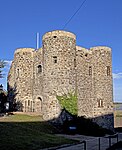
{"x": 69, "y": 102}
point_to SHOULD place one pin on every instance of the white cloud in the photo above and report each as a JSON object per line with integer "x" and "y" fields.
{"x": 117, "y": 75}
{"x": 8, "y": 62}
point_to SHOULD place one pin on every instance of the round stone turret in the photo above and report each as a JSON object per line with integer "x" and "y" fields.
{"x": 23, "y": 74}
{"x": 21, "y": 50}
{"x": 103, "y": 88}
{"x": 58, "y": 33}
{"x": 59, "y": 69}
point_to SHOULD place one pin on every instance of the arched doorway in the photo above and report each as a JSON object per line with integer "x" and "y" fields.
{"x": 38, "y": 104}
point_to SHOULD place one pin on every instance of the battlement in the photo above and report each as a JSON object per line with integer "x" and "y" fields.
{"x": 100, "y": 48}
{"x": 58, "y": 33}
{"x": 84, "y": 50}
{"x": 20, "y": 50}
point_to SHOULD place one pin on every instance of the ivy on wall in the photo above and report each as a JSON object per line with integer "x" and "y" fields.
{"x": 69, "y": 102}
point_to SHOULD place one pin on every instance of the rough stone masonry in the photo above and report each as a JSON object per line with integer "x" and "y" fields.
{"x": 38, "y": 75}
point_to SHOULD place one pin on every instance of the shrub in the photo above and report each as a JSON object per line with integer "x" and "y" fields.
{"x": 69, "y": 102}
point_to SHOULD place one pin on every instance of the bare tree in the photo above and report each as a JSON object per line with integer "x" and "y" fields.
{"x": 2, "y": 65}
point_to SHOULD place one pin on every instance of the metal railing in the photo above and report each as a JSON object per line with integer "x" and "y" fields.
{"x": 111, "y": 137}
{"x": 83, "y": 142}
{"x": 99, "y": 143}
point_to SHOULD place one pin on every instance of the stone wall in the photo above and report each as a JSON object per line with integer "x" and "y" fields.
{"x": 84, "y": 82}
{"x": 38, "y": 80}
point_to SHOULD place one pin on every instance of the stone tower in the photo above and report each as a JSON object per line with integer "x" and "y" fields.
{"x": 59, "y": 48}
{"x": 22, "y": 78}
{"x": 94, "y": 84}
{"x": 103, "y": 88}
{"x": 60, "y": 67}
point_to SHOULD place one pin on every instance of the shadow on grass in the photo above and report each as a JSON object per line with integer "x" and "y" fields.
{"x": 25, "y": 135}
{"x": 69, "y": 124}
{"x": 18, "y": 133}
{"x": 24, "y": 132}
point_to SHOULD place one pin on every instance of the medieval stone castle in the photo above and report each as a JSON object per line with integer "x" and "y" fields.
{"x": 38, "y": 75}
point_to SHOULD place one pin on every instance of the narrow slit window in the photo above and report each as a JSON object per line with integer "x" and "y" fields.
{"x": 25, "y": 106}
{"x": 28, "y": 102}
{"x": 100, "y": 103}
{"x": 90, "y": 71}
{"x": 74, "y": 62}
{"x": 17, "y": 73}
{"x": 39, "y": 68}
{"x": 55, "y": 59}
{"x": 108, "y": 71}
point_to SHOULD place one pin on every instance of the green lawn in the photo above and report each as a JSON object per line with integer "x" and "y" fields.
{"x": 118, "y": 113}
{"x": 24, "y": 132}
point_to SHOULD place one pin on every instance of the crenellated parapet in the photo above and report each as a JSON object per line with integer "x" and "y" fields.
{"x": 58, "y": 33}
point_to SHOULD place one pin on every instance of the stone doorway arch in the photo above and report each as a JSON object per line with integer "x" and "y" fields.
{"x": 38, "y": 104}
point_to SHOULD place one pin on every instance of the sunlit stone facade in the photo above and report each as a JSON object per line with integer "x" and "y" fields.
{"x": 37, "y": 76}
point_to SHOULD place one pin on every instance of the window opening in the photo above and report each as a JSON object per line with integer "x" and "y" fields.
{"x": 108, "y": 70}
{"x": 100, "y": 103}
{"x": 39, "y": 68}
{"x": 90, "y": 71}
{"x": 55, "y": 59}
{"x": 25, "y": 105}
{"x": 40, "y": 98}
{"x": 28, "y": 102}
{"x": 17, "y": 73}
{"x": 74, "y": 62}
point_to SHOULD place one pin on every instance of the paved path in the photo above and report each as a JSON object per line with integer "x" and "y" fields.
{"x": 92, "y": 143}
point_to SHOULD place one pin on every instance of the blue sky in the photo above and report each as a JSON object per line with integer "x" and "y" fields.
{"x": 98, "y": 22}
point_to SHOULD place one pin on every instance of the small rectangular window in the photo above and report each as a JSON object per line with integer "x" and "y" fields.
{"x": 55, "y": 59}
{"x": 90, "y": 71}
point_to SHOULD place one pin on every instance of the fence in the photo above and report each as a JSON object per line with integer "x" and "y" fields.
{"x": 96, "y": 143}
{"x": 110, "y": 137}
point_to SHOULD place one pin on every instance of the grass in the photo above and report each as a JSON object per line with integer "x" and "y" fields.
{"x": 118, "y": 113}
{"x": 24, "y": 132}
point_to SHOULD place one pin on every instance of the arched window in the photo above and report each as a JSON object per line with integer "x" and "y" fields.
{"x": 39, "y": 98}
{"x": 39, "y": 68}
{"x": 39, "y": 104}
{"x": 100, "y": 103}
